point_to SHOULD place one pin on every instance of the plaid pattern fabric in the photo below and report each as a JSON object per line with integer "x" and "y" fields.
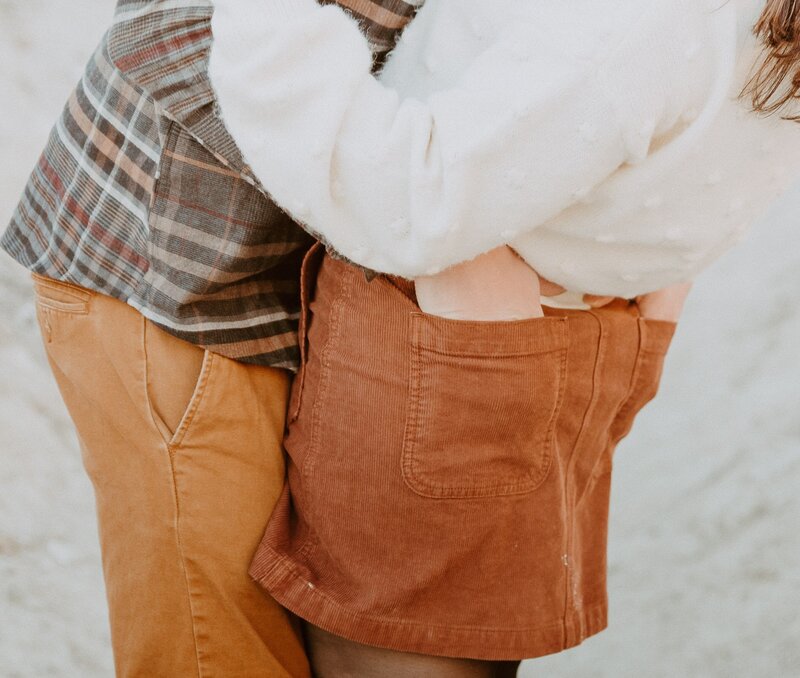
{"x": 381, "y": 22}
{"x": 143, "y": 195}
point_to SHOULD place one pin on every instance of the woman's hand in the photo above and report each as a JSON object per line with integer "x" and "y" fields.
{"x": 665, "y": 304}
{"x": 498, "y": 285}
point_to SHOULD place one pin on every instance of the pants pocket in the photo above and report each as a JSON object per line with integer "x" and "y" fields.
{"x": 483, "y": 402}
{"x": 59, "y": 296}
{"x": 176, "y": 374}
{"x": 61, "y": 309}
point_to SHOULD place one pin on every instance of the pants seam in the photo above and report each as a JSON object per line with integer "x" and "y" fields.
{"x": 179, "y": 544}
{"x": 175, "y": 501}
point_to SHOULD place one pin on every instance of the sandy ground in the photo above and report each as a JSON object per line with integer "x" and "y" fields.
{"x": 705, "y": 546}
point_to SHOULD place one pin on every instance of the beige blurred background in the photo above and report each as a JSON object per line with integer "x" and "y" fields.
{"x": 705, "y": 539}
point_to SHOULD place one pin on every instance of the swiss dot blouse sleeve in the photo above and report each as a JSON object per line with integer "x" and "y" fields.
{"x": 411, "y": 186}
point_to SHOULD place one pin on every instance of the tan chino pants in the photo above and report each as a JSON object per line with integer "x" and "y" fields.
{"x": 183, "y": 448}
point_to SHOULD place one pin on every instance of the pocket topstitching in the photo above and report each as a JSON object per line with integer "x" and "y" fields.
{"x": 483, "y": 403}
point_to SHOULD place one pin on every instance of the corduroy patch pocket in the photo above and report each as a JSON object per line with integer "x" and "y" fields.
{"x": 483, "y": 402}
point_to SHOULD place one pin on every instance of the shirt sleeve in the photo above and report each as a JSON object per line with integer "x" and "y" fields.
{"x": 404, "y": 185}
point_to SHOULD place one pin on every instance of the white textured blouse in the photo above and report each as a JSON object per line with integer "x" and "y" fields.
{"x": 604, "y": 140}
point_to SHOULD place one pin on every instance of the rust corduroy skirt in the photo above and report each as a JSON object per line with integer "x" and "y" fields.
{"x": 448, "y": 481}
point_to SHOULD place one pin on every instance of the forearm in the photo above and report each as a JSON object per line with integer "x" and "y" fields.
{"x": 397, "y": 184}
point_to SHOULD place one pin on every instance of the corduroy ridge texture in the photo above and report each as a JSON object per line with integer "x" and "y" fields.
{"x": 142, "y": 194}
{"x": 448, "y": 481}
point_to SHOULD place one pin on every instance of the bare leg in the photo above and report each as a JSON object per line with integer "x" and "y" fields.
{"x": 335, "y": 657}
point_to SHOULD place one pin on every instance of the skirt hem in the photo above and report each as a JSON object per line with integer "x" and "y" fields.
{"x": 276, "y": 573}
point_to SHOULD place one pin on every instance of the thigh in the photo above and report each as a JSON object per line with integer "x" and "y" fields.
{"x": 228, "y": 468}
{"x": 335, "y": 657}
{"x": 183, "y": 449}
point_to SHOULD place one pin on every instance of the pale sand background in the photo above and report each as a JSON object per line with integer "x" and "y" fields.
{"x": 705, "y": 544}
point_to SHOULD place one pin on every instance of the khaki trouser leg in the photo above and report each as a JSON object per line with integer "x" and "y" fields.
{"x": 183, "y": 448}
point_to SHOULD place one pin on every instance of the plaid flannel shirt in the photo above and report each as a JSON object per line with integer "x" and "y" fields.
{"x": 141, "y": 193}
